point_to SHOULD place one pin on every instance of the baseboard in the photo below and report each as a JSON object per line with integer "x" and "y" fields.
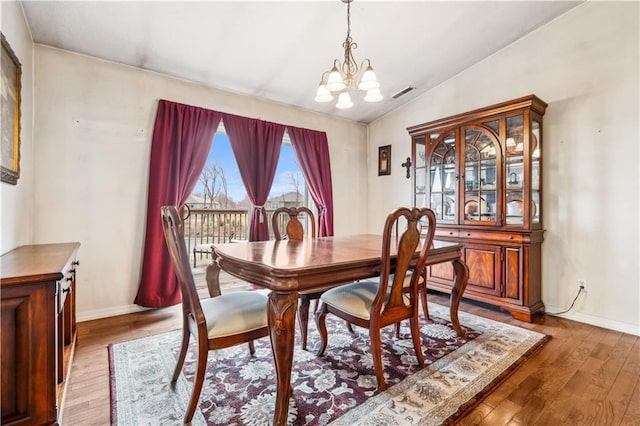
{"x": 108, "y": 312}
{"x": 597, "y": 321}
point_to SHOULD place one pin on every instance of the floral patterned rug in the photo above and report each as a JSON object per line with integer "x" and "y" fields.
{"x": 338, "y": 388}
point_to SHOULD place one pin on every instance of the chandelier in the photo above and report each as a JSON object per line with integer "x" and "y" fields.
{"x": 342, "y": 76}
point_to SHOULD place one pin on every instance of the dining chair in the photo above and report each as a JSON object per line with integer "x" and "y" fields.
{"x": 293, "y": 230}
{"x": 217, "y": 322}
{"x": 422, "y": 284}
{"x": 378, "y": 303}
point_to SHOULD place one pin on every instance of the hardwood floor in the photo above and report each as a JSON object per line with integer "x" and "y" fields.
{"x": 584, "y": 375}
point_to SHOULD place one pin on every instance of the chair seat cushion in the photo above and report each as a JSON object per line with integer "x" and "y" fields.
{"x": 235, "y": 313}
{"x": 353, "y": 299}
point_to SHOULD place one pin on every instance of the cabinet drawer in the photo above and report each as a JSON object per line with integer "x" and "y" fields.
{"x": 64, "y": 289}
{"x": 446, "y": 233}
{"x": 506, "y": 237}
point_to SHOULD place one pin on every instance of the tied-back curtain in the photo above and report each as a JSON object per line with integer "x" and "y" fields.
{"x": 312, "y": 150}
{"x": 256, "y": 145}
{"x": 181, "y": 142}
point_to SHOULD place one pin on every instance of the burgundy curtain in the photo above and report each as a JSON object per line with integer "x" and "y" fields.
{"x": 256, "y": 145}
{"x": 312, "y": 150}
{"x": 182, "y": 139}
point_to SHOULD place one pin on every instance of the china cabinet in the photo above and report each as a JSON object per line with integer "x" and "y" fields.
{"x": 481, "y": 173}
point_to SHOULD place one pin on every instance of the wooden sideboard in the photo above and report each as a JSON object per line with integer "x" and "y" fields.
{"x": 38, "y": 331}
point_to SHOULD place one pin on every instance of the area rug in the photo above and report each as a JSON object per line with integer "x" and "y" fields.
{"x": 338, "y": 388}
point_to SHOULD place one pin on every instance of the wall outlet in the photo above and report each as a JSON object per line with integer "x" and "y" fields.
{"x": 582, "y": 284}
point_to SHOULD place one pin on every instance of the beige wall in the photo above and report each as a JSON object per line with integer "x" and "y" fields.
{"x": 585, "y": 66}
{"x": 17, "y": 200}
{"x": 94, "y": 121}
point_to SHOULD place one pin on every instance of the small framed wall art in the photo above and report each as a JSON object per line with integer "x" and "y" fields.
{"x": 384, "y": 160}
{"x": 10, "y": 105}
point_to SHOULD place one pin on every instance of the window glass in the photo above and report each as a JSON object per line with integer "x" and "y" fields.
{"x": 219, "y": 202}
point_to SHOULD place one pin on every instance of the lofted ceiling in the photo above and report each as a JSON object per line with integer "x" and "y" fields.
{"x": 279, "y": 50}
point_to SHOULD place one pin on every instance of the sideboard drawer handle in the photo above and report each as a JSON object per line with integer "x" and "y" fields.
{"x": 511, "y": 237}
{"x": 450, "y": 233}
{"x": 468, "y": 234}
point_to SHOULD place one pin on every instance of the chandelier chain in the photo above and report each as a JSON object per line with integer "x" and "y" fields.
{"x": 348, "y": 20}
{"x": 349, "y": 66}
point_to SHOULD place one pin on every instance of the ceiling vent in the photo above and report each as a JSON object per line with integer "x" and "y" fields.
{"x": 403, "y": 92}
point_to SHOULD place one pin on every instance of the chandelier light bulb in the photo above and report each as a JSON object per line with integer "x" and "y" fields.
{"x": 344, "y": 100}
{"x": 368, "y": 80}
{"x": 323, "y": 94}
{"x": 373, "y": 95}
{"x": 335, "y": 82}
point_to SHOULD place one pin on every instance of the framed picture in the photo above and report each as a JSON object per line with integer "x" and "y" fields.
{"x": 11, "y": 75}
{"x": 384, "y": 160}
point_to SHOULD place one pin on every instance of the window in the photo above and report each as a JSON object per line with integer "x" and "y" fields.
{"x": 221, "y": 191}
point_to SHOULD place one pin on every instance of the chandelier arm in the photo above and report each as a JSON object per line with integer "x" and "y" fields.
{"x": 322, "y": 79}
{"x": 349, "y": 66}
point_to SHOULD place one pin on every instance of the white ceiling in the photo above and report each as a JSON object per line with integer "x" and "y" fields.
{"x": 278, "y": 50}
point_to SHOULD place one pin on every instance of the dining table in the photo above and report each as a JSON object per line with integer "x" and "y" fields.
{"x": 289, "y": 267}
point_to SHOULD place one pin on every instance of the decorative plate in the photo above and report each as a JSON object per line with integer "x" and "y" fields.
{"x": 514, "y": 208}
{"x": 475, "y": 205}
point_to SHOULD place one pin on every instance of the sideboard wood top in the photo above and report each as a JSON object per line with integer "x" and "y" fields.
{"x": 36, "y": 263}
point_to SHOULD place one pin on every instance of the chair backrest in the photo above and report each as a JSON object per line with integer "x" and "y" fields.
{"x": 293, "y": 229}
{"x": 419, "y": 231}
{"x": 174, "y": 237}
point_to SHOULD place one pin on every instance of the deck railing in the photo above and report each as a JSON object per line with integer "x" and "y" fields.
{"x": 205, "y": 226}
{"x": 213, "y": 226}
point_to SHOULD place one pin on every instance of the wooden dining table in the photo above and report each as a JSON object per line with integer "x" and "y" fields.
{"x": 290, "y": 267}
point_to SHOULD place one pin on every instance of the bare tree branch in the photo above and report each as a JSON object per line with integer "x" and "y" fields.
{"x": 294, "y": 179}
{"x": 215, "y": 186}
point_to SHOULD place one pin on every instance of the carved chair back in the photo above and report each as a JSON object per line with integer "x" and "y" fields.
{"x": 293, "y": 228}
{"x": 172, "y": 226}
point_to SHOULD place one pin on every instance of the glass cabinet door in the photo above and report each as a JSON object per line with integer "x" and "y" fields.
{"x": 514, "y": 149}
{"x": 481, "y": 149}
{"x": 535, "y": 171}
{"x": 443, "y": 179}
{"x": 420, "y": 173}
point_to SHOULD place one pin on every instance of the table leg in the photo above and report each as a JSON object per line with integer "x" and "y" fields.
{"x": 213, "y": 278}
{"x": 462, "y": 276}
{"x": 282, "y": 316}
{"x": 303, "y": 319}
